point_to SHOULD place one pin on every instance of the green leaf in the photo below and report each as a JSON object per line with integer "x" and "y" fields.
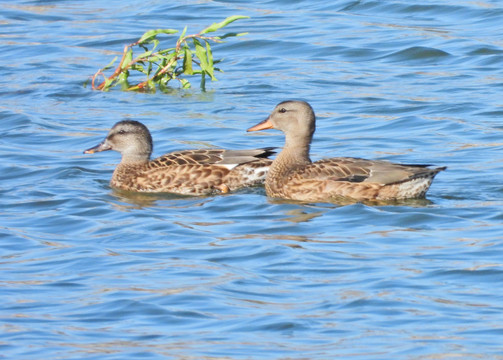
{"x": 209, "y": 56}
{"x": 166, "y": 51}
{"x": 153, "y": 33}
{"x": 144, "y": 55}
{"x": 230, "y": 35}
{"x": 205, "y": 59}
{"x": 122, "y": 80}
{"x": 139, "y": 68}
{"x": 183, "y": 33}
{"x": 185, "y": 83}
{"x": 151, "y": 85}
{"x": 201, "y": 54}
{"x": 127, "y": 59}
{"x": 187, "y": 61}
{"x": 108, "y": 84}
{"x": 203, "y": 80}
{"x": 161, "y": 65}
{"x": 163, "y": 85}
{"x": 110, "y": 64}
{"x": 216, "y": 26}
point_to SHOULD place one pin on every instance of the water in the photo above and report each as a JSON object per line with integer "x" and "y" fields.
{"x": 88, "y": 273}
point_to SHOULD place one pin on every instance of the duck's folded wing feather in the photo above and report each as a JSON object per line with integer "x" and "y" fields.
{"x": 228, "y": 158}
{"x": 362, "y": 170}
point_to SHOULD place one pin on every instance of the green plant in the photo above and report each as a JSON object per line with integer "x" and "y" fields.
{"x": 191, "y": 55}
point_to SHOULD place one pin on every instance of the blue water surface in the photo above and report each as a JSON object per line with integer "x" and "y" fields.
{"x": 90, "y": 273}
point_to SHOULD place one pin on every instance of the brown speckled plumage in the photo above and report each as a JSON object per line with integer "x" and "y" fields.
{"x": 188, "y": 172}
{"x": 292, "y": 175}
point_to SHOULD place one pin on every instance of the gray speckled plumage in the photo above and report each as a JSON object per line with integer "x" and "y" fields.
{"x": 187, "y": 172}
{"x": 293, "y": 175}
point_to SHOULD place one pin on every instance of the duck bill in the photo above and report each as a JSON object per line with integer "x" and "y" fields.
{"x": 264, "y": 125}
{"x": 100, "y": 147}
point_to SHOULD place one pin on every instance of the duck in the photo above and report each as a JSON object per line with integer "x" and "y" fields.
{"x": 292, "y": 175}
{"x": 185, "y": 172}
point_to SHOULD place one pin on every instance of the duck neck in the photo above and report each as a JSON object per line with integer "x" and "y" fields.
{"x": 129, "y": 165}
{"x": 135, "y": 158}
{"x": 295, "y": 153}
{"x": 127, "y": 170}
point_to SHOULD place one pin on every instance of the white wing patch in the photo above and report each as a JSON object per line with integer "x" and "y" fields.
{"x": 229, "y": 166}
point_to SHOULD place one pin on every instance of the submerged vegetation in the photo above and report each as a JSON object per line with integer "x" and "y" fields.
{"x": 190, "y": 56}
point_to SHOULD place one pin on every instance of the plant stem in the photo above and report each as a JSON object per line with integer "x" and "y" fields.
{"x": 116, "y": 73}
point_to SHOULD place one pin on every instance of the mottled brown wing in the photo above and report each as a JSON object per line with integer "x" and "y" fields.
{"x": 335, "y": 169}
{"x": 211, "y": 156}
{"x": 186, "y": 157}
{"x": 362, "y": 170}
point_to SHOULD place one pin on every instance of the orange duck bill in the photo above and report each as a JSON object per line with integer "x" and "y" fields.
{"x": 263, "y": 125}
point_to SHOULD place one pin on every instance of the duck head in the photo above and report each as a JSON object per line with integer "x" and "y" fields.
{"x": 295, "y": 118}
{"x": 130, "y": 138}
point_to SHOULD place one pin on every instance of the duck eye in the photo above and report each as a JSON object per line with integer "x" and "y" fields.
{"x": 122, "y": 132}
{"x": 282, "y": 110}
